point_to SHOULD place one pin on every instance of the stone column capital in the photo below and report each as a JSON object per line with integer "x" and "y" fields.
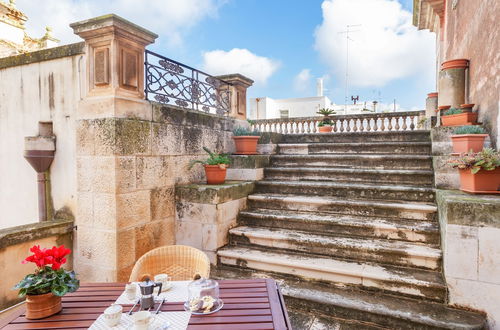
{"x": 115, "y": 56}
{"x": 239, "y": 84}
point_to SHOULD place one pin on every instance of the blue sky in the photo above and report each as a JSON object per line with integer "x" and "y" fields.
{"x": 275, "y": 40}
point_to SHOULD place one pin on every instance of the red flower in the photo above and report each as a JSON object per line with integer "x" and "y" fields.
{"x": 44, "y": 257}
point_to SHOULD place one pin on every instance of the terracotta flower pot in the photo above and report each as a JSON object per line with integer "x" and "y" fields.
{"x": 246, "y": 145}
{"x": 40, "y": 306}
{"x": 432, "y": 95}
{"x": 483, "y": 182}
{"x": 216, "y": 174}
{"x": 461, "y": 119}
{"x": 455, "y": 64}
{"x": 467, "y": 107}
{"x": 325, "y": 129}
{"x": 467, "y": 142}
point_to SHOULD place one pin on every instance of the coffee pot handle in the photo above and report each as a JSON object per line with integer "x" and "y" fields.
{"x": 158, "y": 284}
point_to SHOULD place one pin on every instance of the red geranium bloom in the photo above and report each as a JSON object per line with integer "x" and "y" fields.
{"x": 45, "y": 257}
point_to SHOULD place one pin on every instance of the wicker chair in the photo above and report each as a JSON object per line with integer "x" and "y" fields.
{"x": 179, "y": 262}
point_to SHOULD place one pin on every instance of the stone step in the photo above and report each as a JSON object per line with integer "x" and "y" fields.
{"x": 362, "y": 249}
{"x": 368, "y": 208}
{"x": 328, "y": 304}
{"x": 333, "y": 224}
{"x": 421, "y": 148}
{"x": 403, "y": 162}
{"x": 407, "y": 281}
{"x": 347, "y": 190}
{"x": 408, "y": 136}
{"x": 412, "y": 177}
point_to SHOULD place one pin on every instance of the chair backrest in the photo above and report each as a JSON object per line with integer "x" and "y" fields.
{"x": 179, "y": 262}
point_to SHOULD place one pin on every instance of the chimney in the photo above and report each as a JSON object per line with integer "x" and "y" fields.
{"x": 319, "y": 87}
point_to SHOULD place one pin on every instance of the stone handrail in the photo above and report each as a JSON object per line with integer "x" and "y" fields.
{"x": 372, "y": 122}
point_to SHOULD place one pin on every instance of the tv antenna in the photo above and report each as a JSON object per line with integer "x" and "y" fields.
{"x": 347, "y": 39}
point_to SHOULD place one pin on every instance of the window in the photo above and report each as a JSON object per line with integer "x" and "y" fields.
{"x": 283, "y": 113}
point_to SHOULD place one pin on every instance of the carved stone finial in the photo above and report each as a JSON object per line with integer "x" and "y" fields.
{"x": 48, "y": 31}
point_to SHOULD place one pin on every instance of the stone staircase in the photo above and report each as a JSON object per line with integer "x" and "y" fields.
{"x": 350, "y": 230}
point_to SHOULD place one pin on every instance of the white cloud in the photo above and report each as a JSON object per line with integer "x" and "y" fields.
{"x": 170, "y": 19}
{"x": 243, "y": 61}
{"x": 302, "y": 80}
{"x": 386, "y": 47}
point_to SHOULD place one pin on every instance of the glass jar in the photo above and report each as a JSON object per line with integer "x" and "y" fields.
{"x": 203, "y": 297}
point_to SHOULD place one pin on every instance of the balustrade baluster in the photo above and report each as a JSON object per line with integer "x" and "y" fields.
{"x": 412, "y": 123}
{"x": 314, "y": 126}
{"x": 382, "y": 124}
{"x": 375, "y": 122}
{"x": 404, "y": 126}
{"x": 397, "y": 126}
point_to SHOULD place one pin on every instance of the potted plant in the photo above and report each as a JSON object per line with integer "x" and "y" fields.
{"x": 467, "y": 107}
{"x": 215, "y": 166}
{"x": 245, "y": 141}
{"x": 456, "y": 117}
{"x": 442, "y": 108}
{"x": 325, "y": 125}
{"x": 479, "y": 172}
{"x": 468, "y": 138}
{"x": 45, "y": 287}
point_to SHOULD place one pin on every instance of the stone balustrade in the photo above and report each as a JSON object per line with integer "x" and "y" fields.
{"x": 371, "y": 122}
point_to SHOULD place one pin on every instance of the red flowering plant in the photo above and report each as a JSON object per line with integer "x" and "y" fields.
{"x": 49, "y": 276}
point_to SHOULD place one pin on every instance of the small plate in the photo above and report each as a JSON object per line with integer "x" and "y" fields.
{"x": 218, "y": 305}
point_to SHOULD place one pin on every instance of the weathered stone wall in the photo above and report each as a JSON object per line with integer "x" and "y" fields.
{"x": 127, "y": 170}
{"x": 15, "y": 243}
{"x": 39, "y": 86}
{"x": 470, "y": 228}
{"x": 472, "y": 32}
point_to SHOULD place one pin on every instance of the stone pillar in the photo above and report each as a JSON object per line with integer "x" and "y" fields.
{"x": 452, "y": 82}
{"x": 431, "y": 105}
{"x": 239, "y": 86}
{"x": 114, "y": 214}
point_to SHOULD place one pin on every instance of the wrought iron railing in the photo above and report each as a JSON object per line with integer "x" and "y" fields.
{"x": 373, "y": 122}
{"x": 171, "y": 82}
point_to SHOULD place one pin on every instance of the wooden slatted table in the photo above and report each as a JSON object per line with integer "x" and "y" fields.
{"x": 248, "y": 304}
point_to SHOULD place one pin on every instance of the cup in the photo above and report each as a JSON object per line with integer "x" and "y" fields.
{"x": 112, "y": 315}
{"x": 164, "y": 280}
{"x": 130, "y": 291}
{"x": 142, "y": 320}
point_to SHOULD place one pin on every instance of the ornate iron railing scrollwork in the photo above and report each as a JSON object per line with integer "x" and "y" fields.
{"x": 170, "y": 82}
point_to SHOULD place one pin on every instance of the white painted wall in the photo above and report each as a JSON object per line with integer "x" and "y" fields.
{"x": 297, "y": 107}
{"x": 267, "y": 108}
{"x": 25, "y": 99}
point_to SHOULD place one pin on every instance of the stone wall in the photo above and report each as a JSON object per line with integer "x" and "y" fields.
{"x": 15, "y": 243}
{"x": 472, "y": 32}
{"x": 470, "y": 229}
{"x": 127, "y": 171}
{"x": 39, "y": 86}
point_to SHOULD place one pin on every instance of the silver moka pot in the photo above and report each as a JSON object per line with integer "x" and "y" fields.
{"x": 147, "y": 288}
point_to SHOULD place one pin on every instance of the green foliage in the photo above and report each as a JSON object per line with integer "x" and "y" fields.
{"x": 453, "y": 111}
{"x": 325, "y": 112}
{"x": 469, "y": 129}
{"x": 422, "y": 122}
{"x": 241, "y": 131}
{"x": 46, "y": 280}
{"x": 325, "y": 122}
{"x": 213, "y": 159}
{"x": 487, "y": 159}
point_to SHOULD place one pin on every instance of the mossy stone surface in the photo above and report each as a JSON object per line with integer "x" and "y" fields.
{"x": 250, "y": 161}
{"x": 25, "y": 233}
{"x": 459, "y": 208}
{"x": 43, "y": 55}
{"x": 214, "y": 194}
